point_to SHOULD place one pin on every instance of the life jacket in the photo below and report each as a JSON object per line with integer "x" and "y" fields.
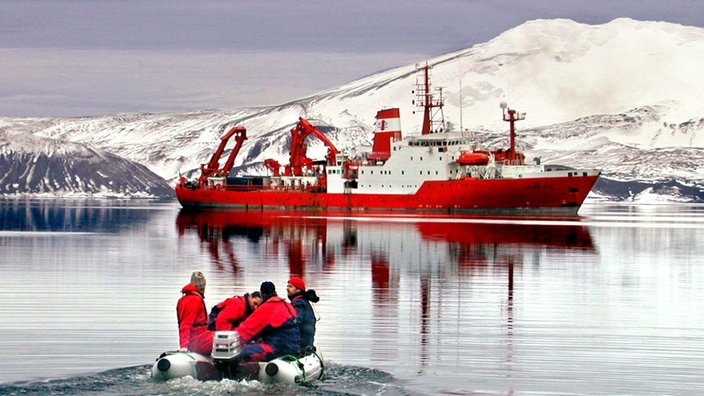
{"x": 216, "y": 309}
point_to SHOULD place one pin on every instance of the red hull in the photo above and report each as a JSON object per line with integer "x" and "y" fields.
{"x": 550, "y": 195}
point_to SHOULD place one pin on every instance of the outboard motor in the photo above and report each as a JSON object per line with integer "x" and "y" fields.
{"x": 226, "y": 352}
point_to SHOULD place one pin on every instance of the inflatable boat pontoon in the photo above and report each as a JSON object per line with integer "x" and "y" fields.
{"x": 224, "y": 362}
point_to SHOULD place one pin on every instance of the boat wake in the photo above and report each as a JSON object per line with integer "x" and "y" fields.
{"x": 136, "y": 380}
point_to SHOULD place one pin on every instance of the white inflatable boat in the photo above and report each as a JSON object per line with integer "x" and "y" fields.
{"x": 224, "y": 362}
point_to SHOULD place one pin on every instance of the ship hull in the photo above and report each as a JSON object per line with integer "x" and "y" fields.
{"x": 560, "y": 196}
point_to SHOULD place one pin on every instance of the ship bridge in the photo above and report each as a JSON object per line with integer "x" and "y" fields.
{"x": 436, "y": 140}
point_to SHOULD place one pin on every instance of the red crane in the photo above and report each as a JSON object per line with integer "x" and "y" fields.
{"x": 212, "y": 168}
{"x": 298, "y": 159}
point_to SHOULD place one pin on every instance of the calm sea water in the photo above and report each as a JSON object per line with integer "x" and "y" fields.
{"x": 607, "y": 303}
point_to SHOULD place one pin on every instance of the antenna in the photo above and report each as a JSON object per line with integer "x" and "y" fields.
{"x": 461, "y": 128}
{"x": 511, "y": 116}
{"x": 424, "y": 98}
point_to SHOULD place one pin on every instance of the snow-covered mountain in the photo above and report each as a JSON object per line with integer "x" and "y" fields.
{"x": 36, "y": 165}
{"x": 626, "y": 96}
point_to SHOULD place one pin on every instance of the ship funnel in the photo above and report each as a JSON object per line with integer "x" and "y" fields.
{"x": 387, "y": 129}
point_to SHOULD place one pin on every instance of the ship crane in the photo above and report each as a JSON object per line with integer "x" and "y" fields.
{"x": 298, "y": 159}
{"x": 212, "y": 168}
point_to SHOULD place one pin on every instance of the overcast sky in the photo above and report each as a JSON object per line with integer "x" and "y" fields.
{"x": 94, "y": 57}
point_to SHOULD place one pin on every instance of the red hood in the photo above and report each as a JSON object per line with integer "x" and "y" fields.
{"x": 190, "y": 289}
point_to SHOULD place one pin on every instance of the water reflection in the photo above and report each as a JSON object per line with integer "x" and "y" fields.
{"x": 472, "y": 244}
{"x": 80, "y": 215}
{"x": 303, "y": 239}
{"x": 604, "y": 304}
{"x": 430, "y": 248}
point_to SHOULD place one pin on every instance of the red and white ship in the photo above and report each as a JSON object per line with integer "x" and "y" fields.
{"x": 431, "y": 172}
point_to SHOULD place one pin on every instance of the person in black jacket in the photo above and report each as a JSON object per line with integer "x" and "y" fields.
{"x": 301, "y": 299}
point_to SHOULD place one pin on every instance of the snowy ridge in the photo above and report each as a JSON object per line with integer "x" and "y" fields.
{"x": 35, "y": 165}
{"x": 624, "y": 96}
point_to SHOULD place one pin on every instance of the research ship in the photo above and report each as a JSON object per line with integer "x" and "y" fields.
{"x": 435, "y": 171}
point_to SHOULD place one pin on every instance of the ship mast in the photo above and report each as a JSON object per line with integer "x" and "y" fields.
{"x": 511, "y": 116}
{"x": 424, "y": 98}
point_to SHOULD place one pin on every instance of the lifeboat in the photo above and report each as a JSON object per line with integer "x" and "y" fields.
{"x": 473, "y": 158}
{"x": 302, "y": 369}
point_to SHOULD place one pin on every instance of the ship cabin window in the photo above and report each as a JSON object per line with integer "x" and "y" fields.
{"x": 403, "y": 173}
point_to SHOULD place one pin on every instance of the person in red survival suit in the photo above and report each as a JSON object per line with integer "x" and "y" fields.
{"x": 272, "y": 328}
{"x": 228, "y": 314}
{"x": 193, "y": 317}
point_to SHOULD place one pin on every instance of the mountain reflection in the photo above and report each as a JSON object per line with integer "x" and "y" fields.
{"x": 78, "y": 215}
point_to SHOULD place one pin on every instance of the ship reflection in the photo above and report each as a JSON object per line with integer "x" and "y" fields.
{"x": 427, "y": 251}
{"x": 303, "y": 239}
{"x": 473, "y": 243}
{"x": 458, "y": 246}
